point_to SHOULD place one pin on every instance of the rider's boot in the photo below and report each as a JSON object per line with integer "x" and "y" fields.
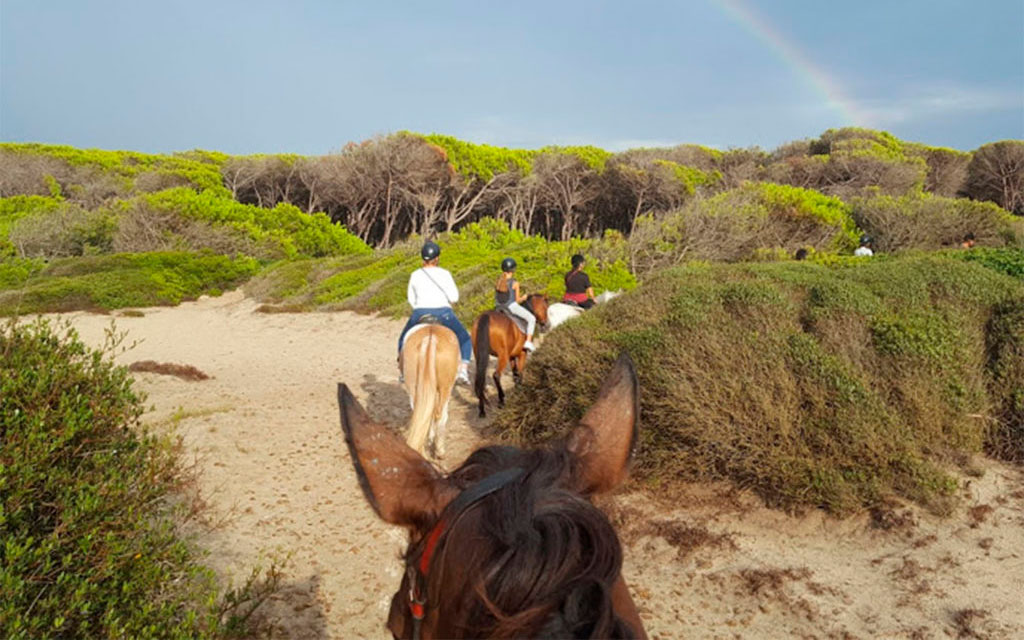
{"x": 528, "y": 345}
{"x": 463, "y": 374}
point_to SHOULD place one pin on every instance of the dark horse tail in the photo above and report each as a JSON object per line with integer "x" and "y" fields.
{"x": 482, "y": 349}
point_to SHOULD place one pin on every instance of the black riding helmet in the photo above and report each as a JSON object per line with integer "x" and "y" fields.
{"x": 577, "y": 260}
{"x": 430, "y": 251}
{"x": 865, "y": 239}
{"x": 508, "y": 264}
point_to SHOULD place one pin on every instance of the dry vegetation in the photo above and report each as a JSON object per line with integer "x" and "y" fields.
{"x": 813, "y": 385}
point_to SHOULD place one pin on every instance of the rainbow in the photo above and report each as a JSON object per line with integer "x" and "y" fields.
{"x": 793, "y": 57}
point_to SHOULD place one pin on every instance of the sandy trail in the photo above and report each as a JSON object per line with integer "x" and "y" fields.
{"x": 265, "y": 432}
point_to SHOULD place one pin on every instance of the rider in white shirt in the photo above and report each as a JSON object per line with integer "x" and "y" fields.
{"x": 432, "y": 292}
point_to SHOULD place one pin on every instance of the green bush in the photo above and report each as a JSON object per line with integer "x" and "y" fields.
{"x": 925, "y": 221}
{"x": 292, "y": 232}
{"x": 1006, "y": 365}
{"x": 89, "y": 517}
{"x": 814, "y": 385}
{"x": 125, "y": 280}
{"x": 14, "y": 272}
{"x": 473, "y": 255}
{"x": 65, "y": 230}
{"x": 756, "y": 220}
{"x": 481, "y": 161}
{"x": 1007, "y": 260}
{"x": 200, "y": 169}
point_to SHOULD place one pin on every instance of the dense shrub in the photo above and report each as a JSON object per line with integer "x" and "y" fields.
{"x": 285, "y": 227}
{"x": 15, "y": 208}
{"x": 743, "y": 224}
{"x": 947, "y": 168}
{"x": 1008, "y": 260}
{"x": 101, "y": 173}
{"x": 124, "y": 280}
{"x": 88, "y": 516}
{"x": 845, "y": 162}
{"x": 65, "y": 230}
{"x": 481, "y": 161}
{"x": 996, "y": 173}
{"x": 14, "y": 272}
{"x": 925, "y": 221}
{"x": 1006, "y": 367}
{"x": 473, "y": 255}
{"x": 813, "y": 385}
{"x": 142, "y": 227}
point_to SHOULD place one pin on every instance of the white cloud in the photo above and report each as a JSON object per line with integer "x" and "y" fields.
{"x": 931, "y": 102}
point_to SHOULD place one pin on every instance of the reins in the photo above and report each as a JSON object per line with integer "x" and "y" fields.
{"x": 418, "y": 571}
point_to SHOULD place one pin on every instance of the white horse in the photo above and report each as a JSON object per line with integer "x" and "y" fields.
{"x": 559, "y": 312}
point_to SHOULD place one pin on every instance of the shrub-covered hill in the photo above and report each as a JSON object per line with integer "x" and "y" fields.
{"x": 814, "y": 385}
{"x": 107, "y": 282}
{"x": 473, "y": 255}
{"x": 325, "y": 212}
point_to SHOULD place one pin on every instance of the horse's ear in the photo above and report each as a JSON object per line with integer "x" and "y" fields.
{"x": 401, "y": 486}
{"x": 603, "y": 443}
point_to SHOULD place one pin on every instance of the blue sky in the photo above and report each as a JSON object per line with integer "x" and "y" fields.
{"x": 307, "y": 77}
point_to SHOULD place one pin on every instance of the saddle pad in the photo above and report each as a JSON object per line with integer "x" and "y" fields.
{"x": 519, "y": 322}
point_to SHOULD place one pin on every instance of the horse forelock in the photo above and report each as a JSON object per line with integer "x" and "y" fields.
{"x": 533, "y": 558}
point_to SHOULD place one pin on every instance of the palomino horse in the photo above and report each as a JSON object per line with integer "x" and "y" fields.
{"x": 494, "y": 333}
{"x": 508, "y": 545}
{"x": 559, "y": 312}
{"x": 430, "y": 360}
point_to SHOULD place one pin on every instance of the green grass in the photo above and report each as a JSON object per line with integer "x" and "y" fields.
{"x": 831, "y": 386}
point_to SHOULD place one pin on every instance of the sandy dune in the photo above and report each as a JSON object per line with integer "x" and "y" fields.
{"x": 265, "y": 432}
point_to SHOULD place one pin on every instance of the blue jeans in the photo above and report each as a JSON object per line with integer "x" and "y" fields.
{"x": 448, "y": 319}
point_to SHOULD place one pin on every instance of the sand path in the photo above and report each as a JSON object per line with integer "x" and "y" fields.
{"x": 265, "y": 433}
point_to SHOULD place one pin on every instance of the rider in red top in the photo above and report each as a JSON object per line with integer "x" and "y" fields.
{"x": 577, "y": 284}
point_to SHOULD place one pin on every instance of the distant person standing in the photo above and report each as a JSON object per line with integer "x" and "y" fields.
{"x": 865, "y": 247}
{"x": 968, "y": 242}
{"x": 577, "y": 284}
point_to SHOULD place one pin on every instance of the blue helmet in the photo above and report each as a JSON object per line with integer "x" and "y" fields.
{"x": 430, "y": 251}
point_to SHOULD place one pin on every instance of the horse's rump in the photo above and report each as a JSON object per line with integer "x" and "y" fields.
{"x": 430, "y": 360}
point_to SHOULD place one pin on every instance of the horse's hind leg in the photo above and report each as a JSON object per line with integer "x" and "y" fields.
{"x": 502, "y": 363}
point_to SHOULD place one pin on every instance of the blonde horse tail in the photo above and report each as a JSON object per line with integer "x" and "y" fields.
{"x": 425, "y": 394}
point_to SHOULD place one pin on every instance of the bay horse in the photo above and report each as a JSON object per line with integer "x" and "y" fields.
{"x": 494, "y": 333}
{"x": 430, "y": 361}
{"x": 508, "y": 545}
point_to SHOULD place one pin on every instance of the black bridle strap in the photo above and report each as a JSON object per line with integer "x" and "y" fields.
{"x": 456, "y": 507}
{"x": 451, "y": 515}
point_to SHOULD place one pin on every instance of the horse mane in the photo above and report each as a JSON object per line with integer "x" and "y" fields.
{"x": 533, "y": 559}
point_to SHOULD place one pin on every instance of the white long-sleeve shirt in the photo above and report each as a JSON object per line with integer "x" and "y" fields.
{"x": 428, "y": 287}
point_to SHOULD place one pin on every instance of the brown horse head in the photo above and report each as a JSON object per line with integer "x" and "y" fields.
{"x": 509, "y": 544}
{"x": 537, "y": 304}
